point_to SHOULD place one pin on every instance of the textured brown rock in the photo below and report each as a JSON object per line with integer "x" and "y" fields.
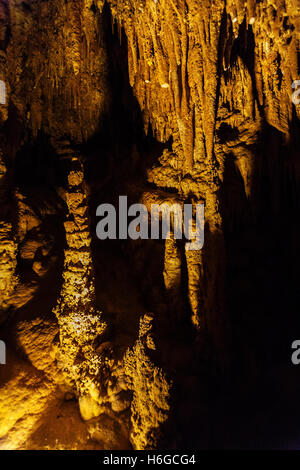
{"x": 79, "y": 322}
{"x": 211, "y": 120}
{"x": 151, "y": 390}
{"x": 8, "y": 280}
{"x": 26, "y": 390}
{"x": 65, "y": 82}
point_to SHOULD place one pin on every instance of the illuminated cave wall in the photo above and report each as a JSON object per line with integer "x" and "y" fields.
{"x": 162, "y": 100}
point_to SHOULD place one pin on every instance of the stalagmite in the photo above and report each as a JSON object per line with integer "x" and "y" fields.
{"x": 151, "y": 389}
{"x": 171, "y": 103}
{"x": 80, "y": 325}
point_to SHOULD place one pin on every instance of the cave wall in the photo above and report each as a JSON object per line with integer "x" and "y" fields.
{"x": 211, "y": 83}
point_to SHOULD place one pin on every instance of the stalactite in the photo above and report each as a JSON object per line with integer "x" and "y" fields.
{"x": 69, "y": 75}
{"x": 213, "y": 78}
{"x": 195, "y": 288}
{"x": 173, "y": 278}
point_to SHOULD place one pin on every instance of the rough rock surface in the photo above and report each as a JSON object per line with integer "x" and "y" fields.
{"x": 168, "y": 101}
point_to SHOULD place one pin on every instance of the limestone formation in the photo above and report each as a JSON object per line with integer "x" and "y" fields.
{"x": 168, "y": 102}
{"x": 151, "y": 390}
{"x": 8, "y": 263}
{"x": 80, "y": 324}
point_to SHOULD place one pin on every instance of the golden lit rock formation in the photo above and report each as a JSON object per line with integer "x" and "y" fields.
{"x": 173, "y": 102}
{"x": 8, "y": 263}
{"x": 80, "y": 325}
{"x": 151, "y": 390}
